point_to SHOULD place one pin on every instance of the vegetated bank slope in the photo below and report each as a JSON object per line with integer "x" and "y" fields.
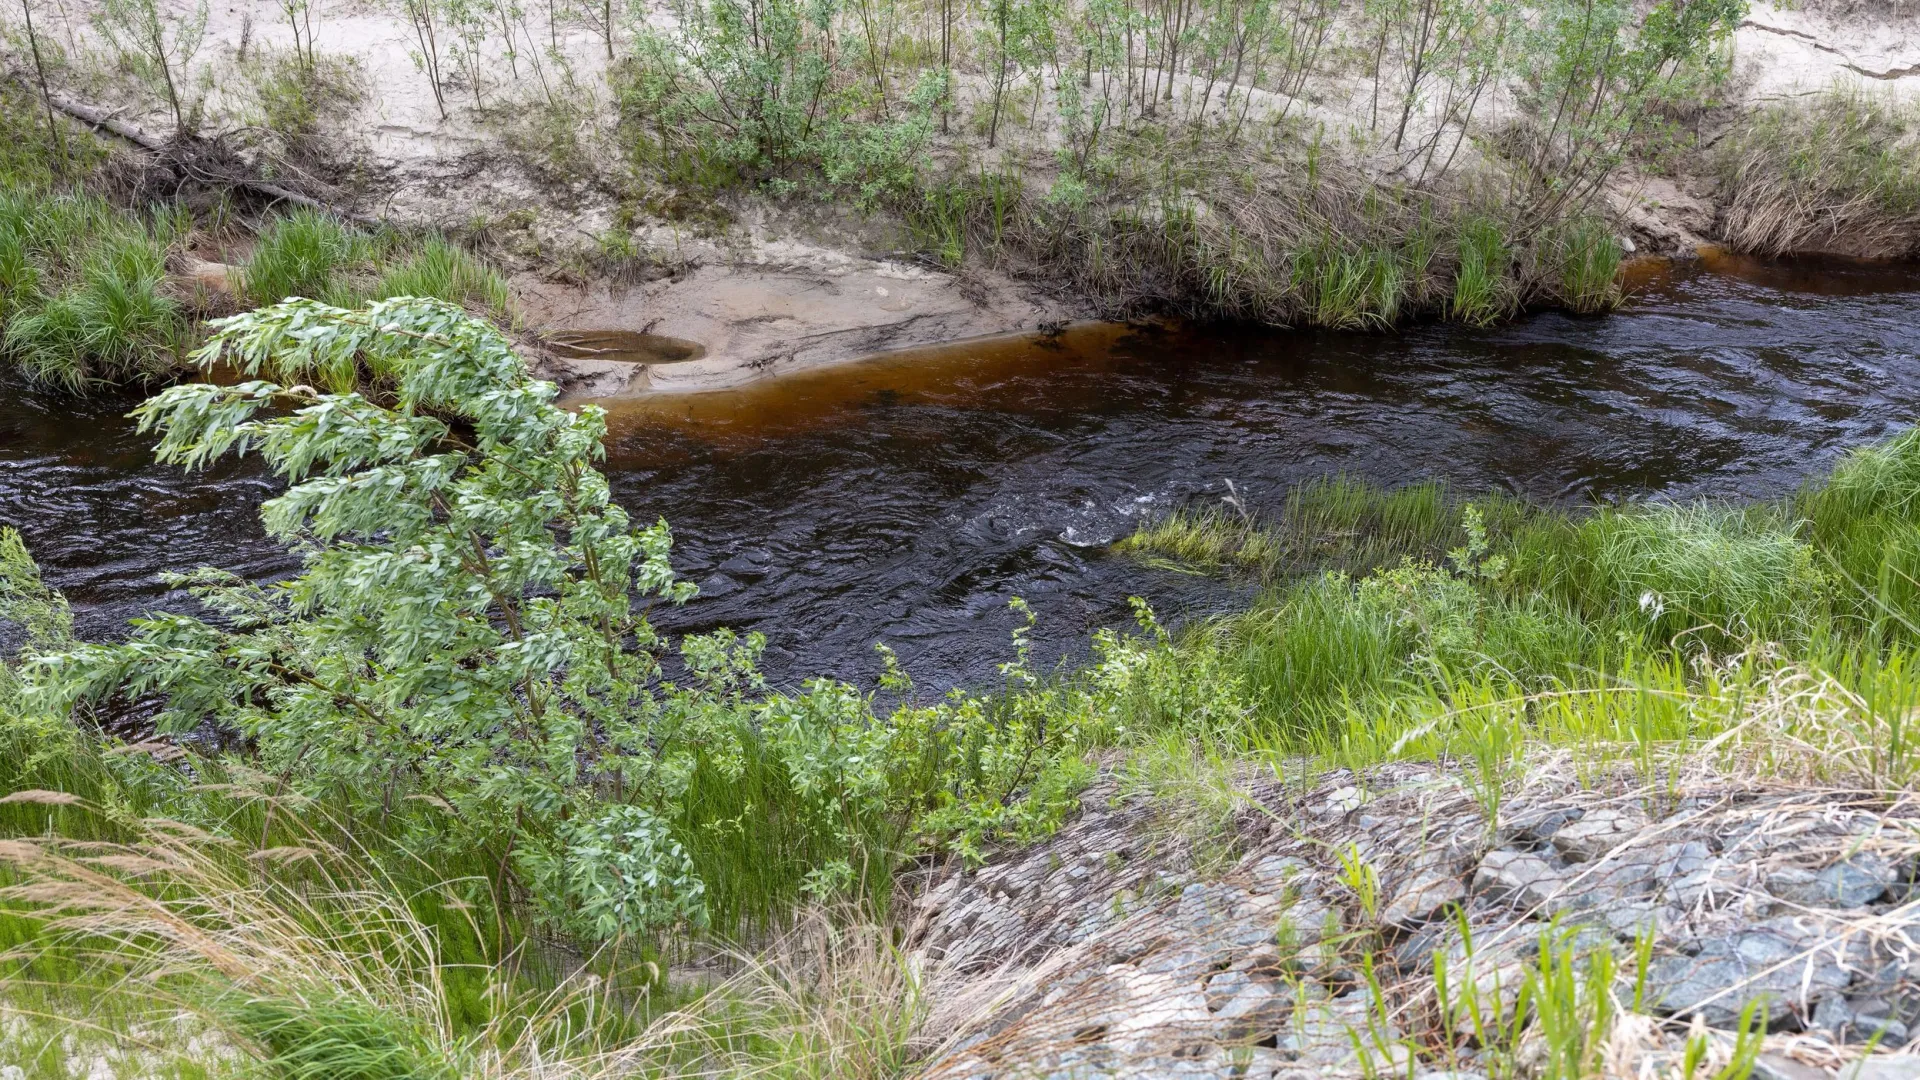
{"x": 862, "y": 176}
{"x": 1475, "y": 788}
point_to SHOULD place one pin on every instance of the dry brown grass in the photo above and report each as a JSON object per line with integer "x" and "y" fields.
{"x": 1840, "y": 175}
{"x": 307, "y": 959}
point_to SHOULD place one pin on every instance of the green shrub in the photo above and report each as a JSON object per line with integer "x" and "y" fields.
{"x": 464, "y": 631}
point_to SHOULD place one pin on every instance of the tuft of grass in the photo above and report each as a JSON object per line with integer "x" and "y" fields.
{"x": 1865, "y": 522}
{"x": 1348, "y": 287}
{"x": 1718, "y": 575}
{"x": 301, "y": 254}
{"x": 82, "y": 290}
{"x": 317, "y": 256}
{"x": 1587, "y": 269}
{"x": 332, "y": 1037}
{"x": 310, "y": 962}
{"x": 445, "y": 271}
{"x": 1482, "y": 289}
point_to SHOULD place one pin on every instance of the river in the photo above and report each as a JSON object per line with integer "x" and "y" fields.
{"x": 906, "y": 498}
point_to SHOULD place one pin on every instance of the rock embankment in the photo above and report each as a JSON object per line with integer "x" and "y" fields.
{"x": 1112, "y": 949}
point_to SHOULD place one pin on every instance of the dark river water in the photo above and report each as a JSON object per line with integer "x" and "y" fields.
{"x": 906, "y": 499}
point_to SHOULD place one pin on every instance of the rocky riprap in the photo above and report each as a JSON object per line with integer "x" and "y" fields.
{"x": 1126, "y": 945}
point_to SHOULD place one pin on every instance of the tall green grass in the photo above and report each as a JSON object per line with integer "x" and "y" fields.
{"x": 83, "y": 290}
{"x": 301, "y": 254}
{"x": 317, "y": 256}
{"x": 1380, "y": 596}
{"x": 1586, "y": 266}
{"x": 1482, "y": 285}
{"x": 447, "y": 271}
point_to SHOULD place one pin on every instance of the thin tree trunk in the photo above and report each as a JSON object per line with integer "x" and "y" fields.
{"x": 1000, "y": 73}
{"x": 46, "y": 97}
{"x": 946, "y": 62}
{"x": 157, "y": 36}
{"x": 422, "y": 16}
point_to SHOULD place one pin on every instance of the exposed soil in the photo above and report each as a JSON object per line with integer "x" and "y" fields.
{"x": 756, "y": 320}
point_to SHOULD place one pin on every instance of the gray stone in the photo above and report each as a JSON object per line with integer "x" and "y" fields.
{"x": 1324, "y": 1034}
{"x": 1180, "y": 961}
{"x": 1531, "y": 828}
{"x": 1683, "y": 860}
{"x": 1598, "y": 832}
{"x": 1222, "y": 987}
{"x": 1628, "y": 919}
{"x": 1520, "y": 878}
{"x": 1773, "y": 1065}
{"x": 1764, "y": 961}
{"x": 1859, "y": 1021}
{"x": 1883, "y": 1067}
{"x": 1622, "y": 877}
{"x": 1422, "y": 898}
{"x": 1275, "y": 873}
{"x": 1852, "y": 882}
{"x": 1257, "y": 1010}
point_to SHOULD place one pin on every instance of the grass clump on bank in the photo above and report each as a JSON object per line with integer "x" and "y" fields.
{"x": 83, "y": 295}
{"x": 86, "y": 297}
{"x": 317, "y": 256}
{"x": 1840, "y": 173}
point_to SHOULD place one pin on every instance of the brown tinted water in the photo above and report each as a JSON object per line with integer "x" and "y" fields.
{"x": 906, "y": 498}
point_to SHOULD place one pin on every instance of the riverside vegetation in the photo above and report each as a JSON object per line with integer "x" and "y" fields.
{"x": 1298, "y": 162}
{"x": 444, "y": 804}
{"x": 1344, "y": 163}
